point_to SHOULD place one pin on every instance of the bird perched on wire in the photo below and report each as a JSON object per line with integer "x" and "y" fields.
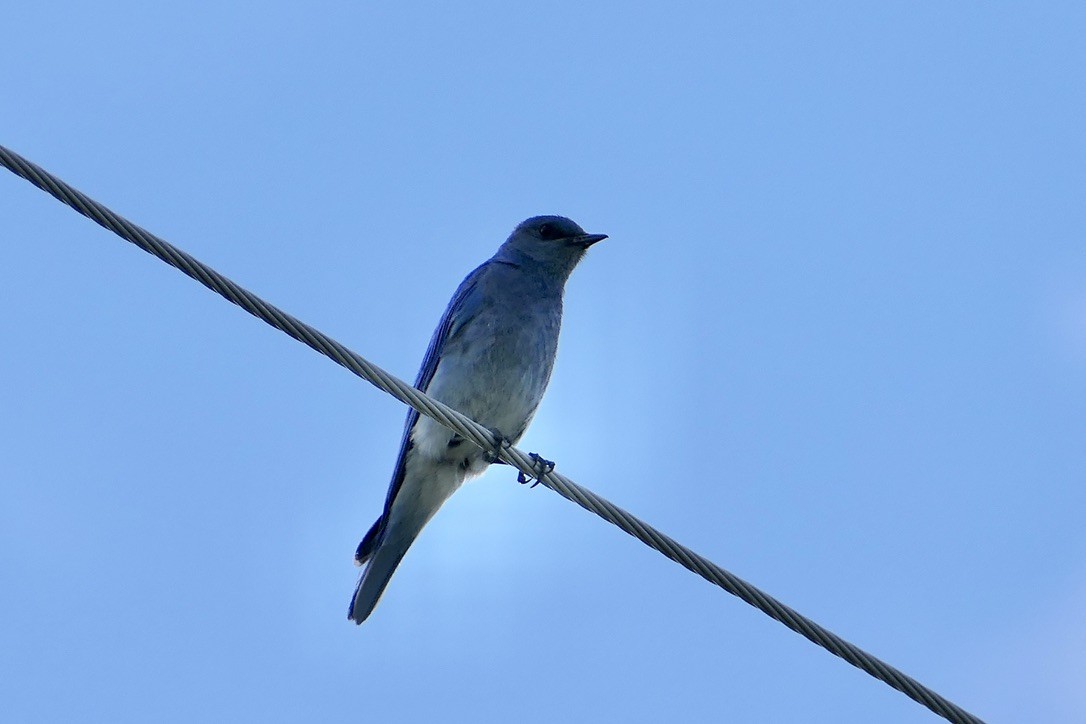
{"x": 490, "y": 358}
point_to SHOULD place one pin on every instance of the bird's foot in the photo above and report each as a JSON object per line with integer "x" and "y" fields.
{"x": 540, "y": 468}
{"x": 504, "y": 443}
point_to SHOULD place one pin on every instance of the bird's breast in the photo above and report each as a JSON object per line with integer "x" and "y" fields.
{"x": 495, "y": 371}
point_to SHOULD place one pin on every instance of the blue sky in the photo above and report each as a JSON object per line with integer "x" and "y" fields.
{"x": 836, "y": 342}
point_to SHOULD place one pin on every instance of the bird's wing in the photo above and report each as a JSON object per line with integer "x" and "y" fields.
{"x": 462, "y": 309}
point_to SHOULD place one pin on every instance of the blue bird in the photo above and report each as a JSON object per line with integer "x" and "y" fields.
{"x": 490, "y": 358}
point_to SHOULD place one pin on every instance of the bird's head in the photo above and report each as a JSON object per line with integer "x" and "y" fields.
{"x": 552, "y": 241}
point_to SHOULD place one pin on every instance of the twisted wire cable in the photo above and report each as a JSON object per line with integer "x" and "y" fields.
{"x": 483, "y": 437}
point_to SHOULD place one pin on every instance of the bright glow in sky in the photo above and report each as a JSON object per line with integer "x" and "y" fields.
{"x": 835, "y": 343}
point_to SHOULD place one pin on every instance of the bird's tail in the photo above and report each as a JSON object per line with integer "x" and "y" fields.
{"x": 375, "y": 578}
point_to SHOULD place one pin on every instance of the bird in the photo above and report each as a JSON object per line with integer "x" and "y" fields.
{"x": 490, "y": 358}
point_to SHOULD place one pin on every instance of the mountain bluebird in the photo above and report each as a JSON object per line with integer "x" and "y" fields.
{"x": 490, "y": 358}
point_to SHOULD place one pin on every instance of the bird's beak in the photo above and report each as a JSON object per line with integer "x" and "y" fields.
{"x": 587, "y": 240}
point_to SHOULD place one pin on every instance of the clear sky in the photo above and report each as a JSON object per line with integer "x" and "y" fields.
{"x": 836, "y": 342}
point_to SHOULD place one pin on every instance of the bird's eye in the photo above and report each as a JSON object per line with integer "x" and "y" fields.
{"x": 551, "y": 232}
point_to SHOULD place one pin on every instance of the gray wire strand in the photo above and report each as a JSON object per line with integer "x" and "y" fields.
{"x": 484, "y": 438}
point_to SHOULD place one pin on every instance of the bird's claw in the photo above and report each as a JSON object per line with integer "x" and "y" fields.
{"x": 492, "y": 456}
{"x": 541, "y": 467}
